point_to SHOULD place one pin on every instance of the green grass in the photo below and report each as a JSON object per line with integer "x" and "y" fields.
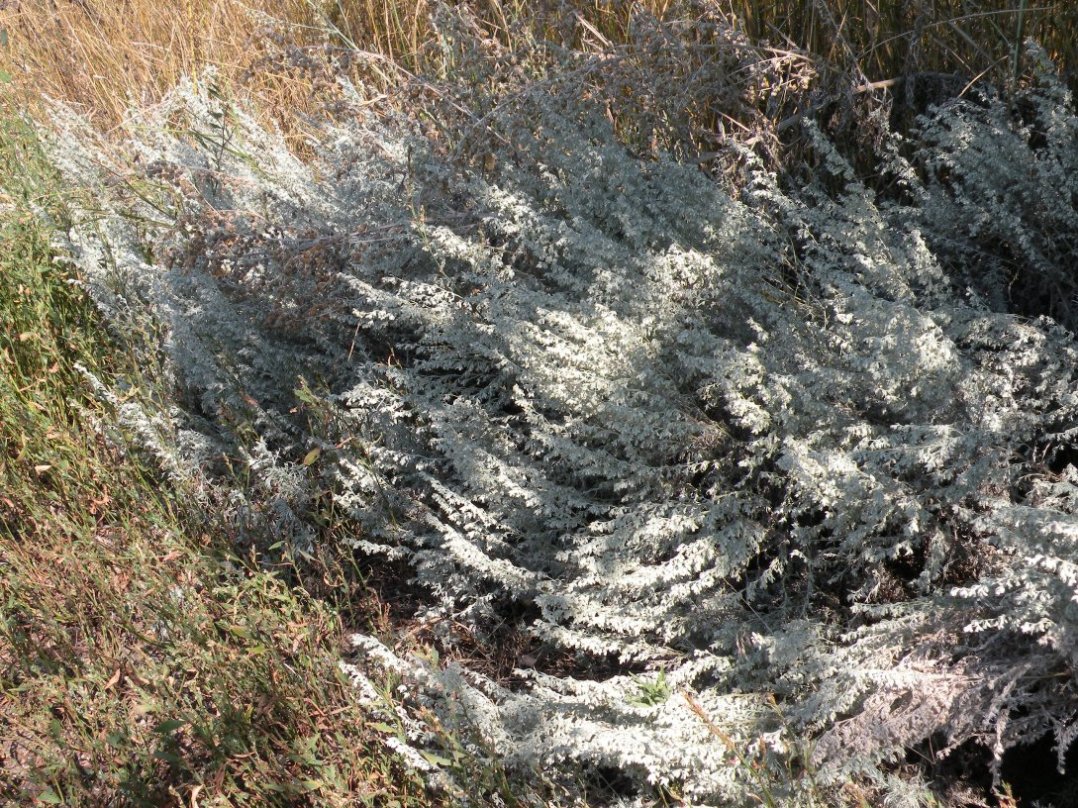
{"x": 141, "y": 663}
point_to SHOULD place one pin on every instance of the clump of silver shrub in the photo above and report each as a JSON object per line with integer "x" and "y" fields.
{"x": 792, "y": 447}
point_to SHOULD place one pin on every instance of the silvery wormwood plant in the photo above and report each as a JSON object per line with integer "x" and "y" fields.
{"x": 763, "y": 439}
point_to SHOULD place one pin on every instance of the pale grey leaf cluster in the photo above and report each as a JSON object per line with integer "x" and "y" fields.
{"x": 802, "y": 448}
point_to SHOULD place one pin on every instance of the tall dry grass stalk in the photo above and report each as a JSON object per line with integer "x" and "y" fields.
{"x": 881, "y": 39}
{"x": 109, "y": 56}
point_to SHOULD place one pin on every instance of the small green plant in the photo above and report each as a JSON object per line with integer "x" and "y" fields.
{"x": 651, "y": 692}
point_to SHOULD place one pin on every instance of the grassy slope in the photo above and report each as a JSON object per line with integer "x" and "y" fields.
{"x": 140, "y": 663}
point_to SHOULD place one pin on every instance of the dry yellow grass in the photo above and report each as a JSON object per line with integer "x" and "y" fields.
{"x": 109, "y": 56}
{"x": 881, "y": 39}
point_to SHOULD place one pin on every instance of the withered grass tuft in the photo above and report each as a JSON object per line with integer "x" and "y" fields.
{"x": 108, "y": 57}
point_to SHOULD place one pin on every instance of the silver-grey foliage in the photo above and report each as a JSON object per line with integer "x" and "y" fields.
{"x": 800, "y": 449}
